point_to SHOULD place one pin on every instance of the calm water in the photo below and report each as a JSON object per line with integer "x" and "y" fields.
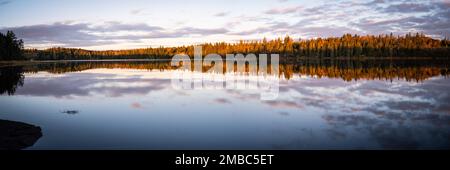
{"x": 321, "y": 105}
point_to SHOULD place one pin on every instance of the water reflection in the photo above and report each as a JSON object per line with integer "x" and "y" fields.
{"x": 93, "y": 82}
{"x": 10, "y": 78}
{"x": 321, "y": 105}
{"x": 348, "y": 70}
{"x": 410, "y": 70}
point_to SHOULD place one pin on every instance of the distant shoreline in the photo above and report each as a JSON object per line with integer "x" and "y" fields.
{"x": 289, "y": 58}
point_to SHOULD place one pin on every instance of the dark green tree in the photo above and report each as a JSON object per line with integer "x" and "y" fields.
{"x": 11, "y": 48}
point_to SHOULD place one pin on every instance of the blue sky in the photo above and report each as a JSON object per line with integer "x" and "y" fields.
{"x": 120, "y": 24}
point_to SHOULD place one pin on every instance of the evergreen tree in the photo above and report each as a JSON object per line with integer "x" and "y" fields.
{"x": 410, "y": 45}
{"x": 11, "y": 48}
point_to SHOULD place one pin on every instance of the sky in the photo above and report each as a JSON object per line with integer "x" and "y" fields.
{"x": 125, "y": 24}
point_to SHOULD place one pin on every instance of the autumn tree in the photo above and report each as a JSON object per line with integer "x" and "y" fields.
{"x": 410, "y": 45}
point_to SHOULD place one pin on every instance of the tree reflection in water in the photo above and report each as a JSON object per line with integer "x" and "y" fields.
{"x": 346, "y": 69}
{"x": 334, "y": 104}
{"x": 11, "y": 78}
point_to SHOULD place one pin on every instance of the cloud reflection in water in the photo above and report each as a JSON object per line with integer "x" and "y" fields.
{"x": 310, "y": 113}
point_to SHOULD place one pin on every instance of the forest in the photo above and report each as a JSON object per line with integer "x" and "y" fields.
{"x": 410, "y": 45}
{"x": 347, "y": 70}
{"x": 381, "y": 46}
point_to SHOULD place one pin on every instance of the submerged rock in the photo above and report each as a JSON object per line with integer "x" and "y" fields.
{"x": 70, "y": 112}
{"x": 18, "y": 135}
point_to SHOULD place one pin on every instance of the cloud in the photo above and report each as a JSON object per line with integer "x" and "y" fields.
{"x": 118, "y": 26}
{"x": 301, "y": 28}
{"x": 72, "y": 34}
{"x": 81, "y": 34}
{"x": 326, "y": 31}
{"x": 200, "y": 31}
{"x": 407, "y": 8}
{"x": 437, "y": 24}
{"x": 375, "y": 2}
{"x": 140, "y": 11}
{"x": 333, "y": 18}
{"x": 376, "y": 17}
{"x": 221, "y": 14}
{"x": 62, "y": 33}
{"x": 286, "y": 10}
{"x": 136, "y": 11}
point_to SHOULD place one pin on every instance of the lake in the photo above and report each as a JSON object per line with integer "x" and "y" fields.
{"x": 320, "y": 104}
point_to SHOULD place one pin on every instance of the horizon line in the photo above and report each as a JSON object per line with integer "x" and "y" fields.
{"x": 234, "y": 42}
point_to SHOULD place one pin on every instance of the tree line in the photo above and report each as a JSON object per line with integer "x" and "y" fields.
{"x": 409, "y": 45}
{"x": 11, "y": 48}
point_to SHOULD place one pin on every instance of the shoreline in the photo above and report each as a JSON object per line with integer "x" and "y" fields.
{"x": 283, "y": 60}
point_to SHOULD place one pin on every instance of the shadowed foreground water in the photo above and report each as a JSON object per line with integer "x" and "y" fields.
{"x": 126, "y": 105}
